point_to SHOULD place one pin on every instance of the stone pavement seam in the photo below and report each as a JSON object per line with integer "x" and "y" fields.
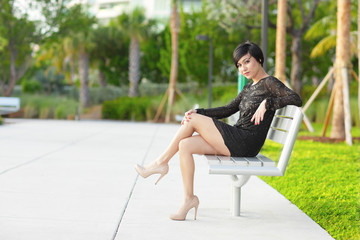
{"x": 49, "y": 153}
{"x": 133, "y": 186}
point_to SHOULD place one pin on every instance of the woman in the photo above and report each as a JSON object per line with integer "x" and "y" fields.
{"x": 257, "y": 103}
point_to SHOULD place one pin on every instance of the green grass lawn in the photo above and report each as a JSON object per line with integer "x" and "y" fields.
{"x": 323, "y": 180}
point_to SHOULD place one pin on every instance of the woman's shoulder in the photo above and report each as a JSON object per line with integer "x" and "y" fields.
{"x": 270, "y": 80}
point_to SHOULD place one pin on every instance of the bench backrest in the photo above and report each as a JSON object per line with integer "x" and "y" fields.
{"x": 283, "y": 129}
{"x": 9, "y": 105}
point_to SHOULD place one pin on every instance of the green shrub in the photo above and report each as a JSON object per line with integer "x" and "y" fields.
{"x": 99, "y": 95}
{"x": 1, "y": 120}
{"x": 31, "y": 86}
{"x": 48, "y": 107}
{"x": 317, "y": 111}
{"x": 126, "y": 108}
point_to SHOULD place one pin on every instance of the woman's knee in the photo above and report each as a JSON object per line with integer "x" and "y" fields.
{"x": 185, "y": 145}
{"x": 194, "y": 120}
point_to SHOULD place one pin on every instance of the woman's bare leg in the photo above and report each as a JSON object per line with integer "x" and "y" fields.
{"x": 188, "y": 147}
{"x": 209, "y": 141}
{"x": 205, "y": 127}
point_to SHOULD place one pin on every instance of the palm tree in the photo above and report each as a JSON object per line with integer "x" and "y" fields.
{"x": 138, "y": 28}
{"x": 342, "y": 61}
{"x": 281, "y": 41}
{"x": 335, "y": 33}
{"x": 175, "y": 29}
{"x": 77, "y": 28}
{"x": 325, "y": 30}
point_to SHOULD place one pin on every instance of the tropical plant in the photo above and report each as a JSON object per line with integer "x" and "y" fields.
{"x": 324, "y": 31}
{"x": 138, "y": 27}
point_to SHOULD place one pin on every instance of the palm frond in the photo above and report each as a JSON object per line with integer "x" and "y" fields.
{"x": 321, "y": 28}
{"x": 323, "y": 46}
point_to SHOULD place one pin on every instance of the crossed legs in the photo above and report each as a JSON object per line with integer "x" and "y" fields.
{"x": 209, "y": 141}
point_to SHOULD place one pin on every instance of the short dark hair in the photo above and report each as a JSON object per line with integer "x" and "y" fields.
{"x": 245, "y": 48}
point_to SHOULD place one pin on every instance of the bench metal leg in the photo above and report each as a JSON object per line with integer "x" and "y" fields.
{"x": 237, "y": 183}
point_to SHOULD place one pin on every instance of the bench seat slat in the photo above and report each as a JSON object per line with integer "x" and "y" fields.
{"x": 236, "y": 170}
{"x": 259, "y": 161}
{"x": 253, "y": 162}
{"x": 239, "y": 161}
{"x": 266, "y": 162}
{"x": 225, "y": 160}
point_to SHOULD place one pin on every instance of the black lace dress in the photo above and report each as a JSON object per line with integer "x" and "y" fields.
{"x": 245, "y": 139}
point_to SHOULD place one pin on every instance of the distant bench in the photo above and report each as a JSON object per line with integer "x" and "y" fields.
{"x": 9, "y": 105}
{"x": 284, "y": 128}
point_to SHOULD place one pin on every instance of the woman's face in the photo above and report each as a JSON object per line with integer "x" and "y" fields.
{"x": 248, "y": 66}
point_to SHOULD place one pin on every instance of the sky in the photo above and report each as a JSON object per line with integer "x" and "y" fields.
{"x": 24, "y": 7}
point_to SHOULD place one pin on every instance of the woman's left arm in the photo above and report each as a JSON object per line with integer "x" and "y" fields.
{"x": 280, "y": 97}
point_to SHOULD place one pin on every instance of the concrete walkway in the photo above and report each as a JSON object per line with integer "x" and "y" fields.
{"x": 74, "y": 180}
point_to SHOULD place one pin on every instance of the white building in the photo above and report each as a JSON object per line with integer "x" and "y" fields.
{"x": 105, "y": 10}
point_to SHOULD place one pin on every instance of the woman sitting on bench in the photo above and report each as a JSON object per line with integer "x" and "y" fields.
{"x": 257, "y": 103}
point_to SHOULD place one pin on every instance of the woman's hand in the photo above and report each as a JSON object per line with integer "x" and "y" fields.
{"x": 260, "y": 112}
{"x": 187, "y": 116}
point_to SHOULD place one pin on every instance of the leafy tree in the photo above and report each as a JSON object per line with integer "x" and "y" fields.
{"x": 111, "y": 47}
{"x": 75, "y": 28}
{"x": 17, "y": 34}
{"x": 151, "y": 49}
{"x": 194, "y": 54}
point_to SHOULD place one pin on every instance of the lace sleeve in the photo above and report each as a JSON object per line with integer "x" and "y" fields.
{"x": 280, "y": 95}
{"x": 224, "y": 111}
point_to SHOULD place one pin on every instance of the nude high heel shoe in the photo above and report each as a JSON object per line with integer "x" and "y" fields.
{"x": 152, "y": 169}
{"x": 185, "y": 208}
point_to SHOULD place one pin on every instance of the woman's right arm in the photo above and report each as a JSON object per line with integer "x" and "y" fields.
{"x": 222, "y": 112}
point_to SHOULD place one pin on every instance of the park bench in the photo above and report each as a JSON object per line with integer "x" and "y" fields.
{"x": 9, "y": 105}
{"x": 283, "y": 129}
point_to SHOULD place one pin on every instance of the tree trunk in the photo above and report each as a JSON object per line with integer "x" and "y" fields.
{"x": 134, "y": 66}
{"x": 342, "y": 61}
{"x": 296, "y": 63}
{"x": 359, "y": 57}
{"x": 8, "y": 88}
{"x": 84, "y": 79}
{"x": 174, "y": 24}
{"x": 280, "y": 57}
{"x": 102, "y": 79}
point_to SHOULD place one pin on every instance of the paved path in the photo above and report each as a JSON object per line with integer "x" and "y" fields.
{"x": 74, "y": 180}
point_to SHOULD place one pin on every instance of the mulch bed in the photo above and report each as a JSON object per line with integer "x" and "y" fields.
{"x": 327, "y": 139}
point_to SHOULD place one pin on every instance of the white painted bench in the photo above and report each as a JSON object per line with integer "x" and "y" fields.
{"x": 9, "y": 105}
{"x": 283, "y": 129}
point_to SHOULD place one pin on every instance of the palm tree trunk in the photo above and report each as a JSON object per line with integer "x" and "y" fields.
{"x": 84, "y": 79}
{"x": 359, "y": 56}
{"x": 102, "y": 79}
{"x": 342, "y": 61}
{"x": 134, "y": 66}
{"x": 174, "y": 24}
{"x": 296, "y": 63}
{"x": 280, "y": 57}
